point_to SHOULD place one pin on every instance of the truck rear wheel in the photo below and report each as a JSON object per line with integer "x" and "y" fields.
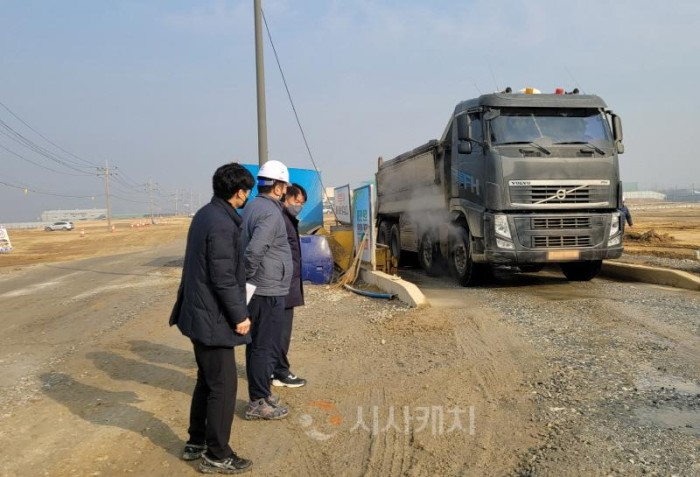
{"x": 395, "y": 243}
{"x": 581, "y": 271}
{"x": 429, "y": 254}
{"x": 461, "y": 263}
{"x": 383, "y": 233}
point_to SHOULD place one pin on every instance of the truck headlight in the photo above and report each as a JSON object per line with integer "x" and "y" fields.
{"x": 614, "y": 224}
{"x": 500, "y": 223}
{"x": 508, "y": 245}
{"x": 614, "y": 237}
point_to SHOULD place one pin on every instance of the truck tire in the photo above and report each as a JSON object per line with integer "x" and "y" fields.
{"x": 429, "y": 255}
{"x": 383, "y": 233}
{"x": 581, "y": 271}
{"x": 395, "y": 243}
{"x": 461, "y": 263}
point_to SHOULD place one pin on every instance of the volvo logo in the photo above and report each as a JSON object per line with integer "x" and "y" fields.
{"x": 561, "y": 194}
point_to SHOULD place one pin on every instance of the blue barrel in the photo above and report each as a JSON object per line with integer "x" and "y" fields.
{"x": 316, "y": 259}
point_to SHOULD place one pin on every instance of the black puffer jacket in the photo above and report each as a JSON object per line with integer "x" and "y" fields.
{"x": 296, "y": 288}
{"x": 212, "y": 298}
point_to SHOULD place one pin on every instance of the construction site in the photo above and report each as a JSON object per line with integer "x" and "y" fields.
{"x": 461, "y": 385}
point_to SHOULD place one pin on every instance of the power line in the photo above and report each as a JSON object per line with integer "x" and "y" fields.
{"x": 129, "y": 200}
{"x": 294, "y": 109}
{"x": 130, "y": 185}
{"x": 20, "y": 139}
{"x": 40, "y": 165}
{"x": 45, "y": 138}
{"x": 36, "y": 191}
{"x": 127, "y": 178}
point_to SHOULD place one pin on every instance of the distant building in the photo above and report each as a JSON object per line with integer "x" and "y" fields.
{"x": 643, "y": 195}
{"x": 73, "y": 214}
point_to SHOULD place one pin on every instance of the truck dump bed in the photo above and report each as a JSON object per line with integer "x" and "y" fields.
{"x": 411, "y": 182}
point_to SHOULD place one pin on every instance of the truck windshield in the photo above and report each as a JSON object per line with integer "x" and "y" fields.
{"x": 560, "y": 126}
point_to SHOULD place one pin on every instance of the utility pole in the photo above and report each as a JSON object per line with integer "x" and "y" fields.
{"x": 150, "y": 199}
{"x": 260, "y": 83}
{"x": 176, "y": 195}
{"x": 191, "y": 202}
{"x": 104, "y": 171}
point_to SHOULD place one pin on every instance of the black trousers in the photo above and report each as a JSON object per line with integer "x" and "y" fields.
{"x": 213, "y": 399}
{"x": 282, "y": 363}
{"x": 266, "y": 315}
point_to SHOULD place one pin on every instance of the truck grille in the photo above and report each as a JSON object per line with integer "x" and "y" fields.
{"x": 547, "y": 241}
{"x": 549, "y": 223}
{"x": 554, "y": 193}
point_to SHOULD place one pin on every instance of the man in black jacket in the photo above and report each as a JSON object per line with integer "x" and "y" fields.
{"x": 293, "y": 203}
{"x": 211, "y": 310}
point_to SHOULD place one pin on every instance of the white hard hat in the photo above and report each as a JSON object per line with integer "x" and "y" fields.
{"x": 273, "y": 171}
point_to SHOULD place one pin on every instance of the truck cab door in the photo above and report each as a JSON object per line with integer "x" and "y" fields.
{"x": 467, "y": 168}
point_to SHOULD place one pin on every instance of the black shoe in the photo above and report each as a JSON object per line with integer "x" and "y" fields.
{"x": 290, "y": 381}
{"x": 230, "y": 465}
{"x": 193, "y": 451}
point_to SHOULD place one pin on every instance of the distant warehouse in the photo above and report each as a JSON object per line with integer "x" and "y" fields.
{"x": 643, "y": 195}
{"x": 73, "y": 214}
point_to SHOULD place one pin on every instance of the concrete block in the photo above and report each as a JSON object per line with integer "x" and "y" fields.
{"x": 654, "y": 275}
{"x": 407, "y": 292}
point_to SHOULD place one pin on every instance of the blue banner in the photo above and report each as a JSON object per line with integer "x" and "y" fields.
{"x": 311, "y": 215}
{"x": 362, "y": 222}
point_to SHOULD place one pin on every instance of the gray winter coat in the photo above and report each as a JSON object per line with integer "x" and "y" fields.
{"x": 268, "y": 258}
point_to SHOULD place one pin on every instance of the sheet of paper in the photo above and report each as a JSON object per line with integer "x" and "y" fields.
{"x": 249, "y": 291}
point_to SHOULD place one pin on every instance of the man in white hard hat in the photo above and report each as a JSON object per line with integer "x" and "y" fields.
{"x": 269, "y": 266}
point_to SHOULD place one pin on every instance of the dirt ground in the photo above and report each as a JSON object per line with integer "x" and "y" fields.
{"x": 391, "y": 391}
{"x": 89, "y": 239}
{"x": 528, "y": 376}
{"x": 669, "y": 232}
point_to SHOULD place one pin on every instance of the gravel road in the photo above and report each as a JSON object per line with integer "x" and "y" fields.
{"x": 529, "y": 375}
{"x": 619, "y": 389}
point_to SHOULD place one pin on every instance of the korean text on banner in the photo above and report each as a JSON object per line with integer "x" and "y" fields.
{"x": 342, "y": 204}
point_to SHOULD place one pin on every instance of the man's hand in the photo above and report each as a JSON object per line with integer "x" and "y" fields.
{"x": 243, "y": 327}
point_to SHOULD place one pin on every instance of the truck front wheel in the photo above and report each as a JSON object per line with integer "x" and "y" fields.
{"x": 581, "y": 271}
{"x": 461, "y": 262}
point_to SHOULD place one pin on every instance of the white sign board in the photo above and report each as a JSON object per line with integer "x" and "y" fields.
{"x": 5, "y": 244}
{"x": 363, "y": 222}
{"x": 342, "y": 204}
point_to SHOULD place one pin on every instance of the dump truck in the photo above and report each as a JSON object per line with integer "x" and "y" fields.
{"x": 518, "y": 180}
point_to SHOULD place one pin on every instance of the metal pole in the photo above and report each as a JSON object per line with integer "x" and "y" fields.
{"x": 150, "y": 200}
{"x": 260, "y": 82}
{"x": 109, "y": 205}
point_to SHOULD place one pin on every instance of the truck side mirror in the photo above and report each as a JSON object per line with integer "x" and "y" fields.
{"x": 464, "y": 147}
{"x": 617, "y": 133}
{"x": 463, "y": 127}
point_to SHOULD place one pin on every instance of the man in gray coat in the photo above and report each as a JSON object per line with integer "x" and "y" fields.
{"x": 269, "y": 266}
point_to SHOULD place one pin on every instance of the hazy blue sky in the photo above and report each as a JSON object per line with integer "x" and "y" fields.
{"x": 166, "y": 89}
